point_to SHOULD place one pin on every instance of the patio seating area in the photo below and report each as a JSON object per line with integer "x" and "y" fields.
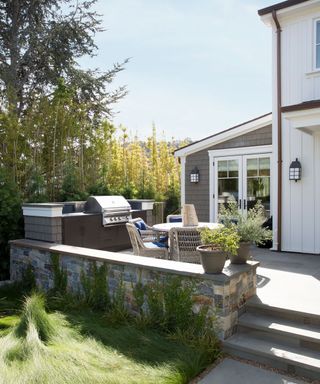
{"x": 170, "y": 240}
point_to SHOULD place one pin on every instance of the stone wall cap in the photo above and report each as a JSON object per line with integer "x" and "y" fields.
{"x": 169, "y": 266}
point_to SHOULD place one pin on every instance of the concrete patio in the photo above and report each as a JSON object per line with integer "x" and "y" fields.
{"x": 230, "y": 371}
{"x": 288, "y": 280}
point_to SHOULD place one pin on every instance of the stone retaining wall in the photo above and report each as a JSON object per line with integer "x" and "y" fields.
{"x": 226, "y": 292}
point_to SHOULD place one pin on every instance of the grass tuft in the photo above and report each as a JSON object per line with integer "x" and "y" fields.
{"x": 35, "y": 319}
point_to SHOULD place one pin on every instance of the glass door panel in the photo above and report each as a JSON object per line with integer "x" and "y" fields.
{"x": 257, "y": 183}
{"x": 228, "y": 181}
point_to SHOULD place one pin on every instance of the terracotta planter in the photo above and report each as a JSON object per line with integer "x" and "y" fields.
{"x": 212, "y": 258}
{"x": 243, "y": 254}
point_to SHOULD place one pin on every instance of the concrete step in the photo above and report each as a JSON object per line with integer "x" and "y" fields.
{"x": 295, "y": 360}
{"x": 291, "y": 332}
{"x": 254, "y": 305}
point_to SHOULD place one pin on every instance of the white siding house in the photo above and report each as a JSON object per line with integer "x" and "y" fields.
{"x": 296, "y": 121}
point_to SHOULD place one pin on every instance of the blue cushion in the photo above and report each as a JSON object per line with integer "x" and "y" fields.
{"x": 175, "y": 219}
{"x": 140, "y": 225}
{"x": 163, "y": 239}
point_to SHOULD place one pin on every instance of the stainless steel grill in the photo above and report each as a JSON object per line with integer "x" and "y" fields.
{"x": 113, "y": 209}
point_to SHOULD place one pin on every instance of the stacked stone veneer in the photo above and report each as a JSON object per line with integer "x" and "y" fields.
{"x": 226, "y": 292}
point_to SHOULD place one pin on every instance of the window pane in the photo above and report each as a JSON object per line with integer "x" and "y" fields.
{"x": 318, "y": 33}
{"x": 258, "y": 188}
{"x": 227, "y": 191}
{"x": 318, "y": 56}
{"x": 252, "y": 167}
{"x": 223, "y": 168}
{"x": 264, "y": 166}
{"x": 233, "y": 168}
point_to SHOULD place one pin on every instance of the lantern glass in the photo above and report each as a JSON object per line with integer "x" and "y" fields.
{"x": 195, "y": 175}
{"x": 295, "y": 170}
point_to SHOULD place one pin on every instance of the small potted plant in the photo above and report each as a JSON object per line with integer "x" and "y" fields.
{"x": 249, "y": 228}
{"x": 217, "y": 244}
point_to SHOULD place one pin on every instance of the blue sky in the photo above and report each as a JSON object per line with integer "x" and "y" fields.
{"x": 196, "y": 68}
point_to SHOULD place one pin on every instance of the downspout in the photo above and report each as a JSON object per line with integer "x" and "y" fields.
{"x": 279, "y": 123}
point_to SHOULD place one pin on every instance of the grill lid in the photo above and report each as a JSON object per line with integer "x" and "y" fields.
{"x": 106, "y": 204}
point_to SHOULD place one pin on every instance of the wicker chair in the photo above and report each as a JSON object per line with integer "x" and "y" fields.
{"x": 183, "y": 243}
{"x": 141, "y": 248}
{"x": 148, "y": 234}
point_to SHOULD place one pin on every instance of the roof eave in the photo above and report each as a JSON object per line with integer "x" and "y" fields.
{"x": 280, "y": 6}
{"x": 225, "y": 135}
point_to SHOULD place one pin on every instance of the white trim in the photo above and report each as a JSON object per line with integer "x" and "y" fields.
{"x": 241, "y": 151}
{"x": 240, "y": 180}
{"x": 314, "y": 44}
{"x": 225, "y": 135}
{"x": 315, "y": 73}
{"x": 307, "y": 120}
{"x": 293, "y": 12}
{"x": 245, "y": 185}
{"x": 240, "y": 154}
{"x": 183, "y": 180}
{"x": 259, "y": 149}
{"x": 211, "y": 189}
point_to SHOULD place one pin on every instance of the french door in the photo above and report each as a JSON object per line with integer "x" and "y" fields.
{"x": 245, "y": 179}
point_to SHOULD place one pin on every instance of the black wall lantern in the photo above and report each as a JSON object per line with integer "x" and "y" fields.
{"x": 295, "y": 170}
{"x": 195, "y": 175}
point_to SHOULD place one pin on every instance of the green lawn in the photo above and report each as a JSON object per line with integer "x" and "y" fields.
{"x": 82, "y": 347}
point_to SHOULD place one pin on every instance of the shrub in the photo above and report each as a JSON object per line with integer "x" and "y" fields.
{"x": 172, "y": 199}
{"x": 28, "y": 281}
{"x": 11, "y": 221}
{"x": 35, "y": 186}
{"x": 225, "y": 238}
{"x": 249, "y": 227}
{"x": 170, "y": 309}
{"x": 95, "y": 287}
{"x": 71, "y": 189}
{"x": 60, "y": 277}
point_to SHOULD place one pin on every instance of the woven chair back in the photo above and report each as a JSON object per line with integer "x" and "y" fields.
{"x": 183, "y": 244}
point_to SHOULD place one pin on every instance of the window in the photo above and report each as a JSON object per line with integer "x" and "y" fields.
{"x": 317, "y": 41}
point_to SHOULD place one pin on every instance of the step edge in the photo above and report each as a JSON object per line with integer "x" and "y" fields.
{"x": 270, "y": 355}
{"x": 305, "y": 372}
{"x": 252, "y": 304}
{"x": 250, "y": 325}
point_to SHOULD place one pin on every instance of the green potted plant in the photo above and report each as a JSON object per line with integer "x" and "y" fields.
{"x": 249, "y": 228}
{"x": 217, "y": 243}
